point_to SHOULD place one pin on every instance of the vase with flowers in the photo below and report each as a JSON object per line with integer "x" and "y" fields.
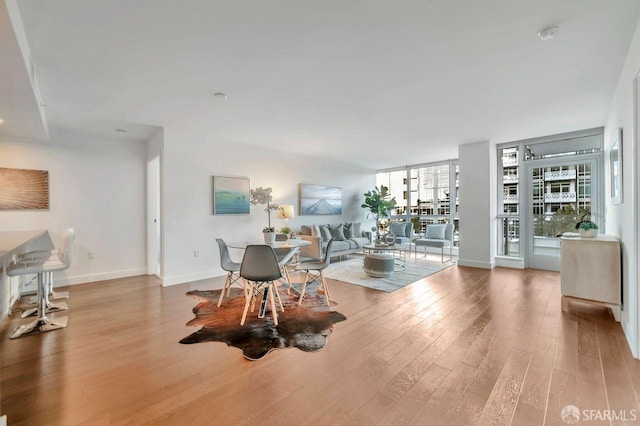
{"x": 263, "y": 196}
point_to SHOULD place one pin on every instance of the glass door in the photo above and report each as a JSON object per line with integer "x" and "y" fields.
{"x": 560, "y": 192}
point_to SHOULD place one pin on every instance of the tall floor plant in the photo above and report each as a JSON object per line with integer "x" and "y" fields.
{"x": 379, "y": 202}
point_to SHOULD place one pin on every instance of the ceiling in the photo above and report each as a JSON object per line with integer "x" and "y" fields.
{"x": 382, "y": 84}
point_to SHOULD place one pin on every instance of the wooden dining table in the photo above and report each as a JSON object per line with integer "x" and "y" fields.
{"x": 287, "y": 254}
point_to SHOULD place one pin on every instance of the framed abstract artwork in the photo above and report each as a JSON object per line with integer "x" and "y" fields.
{"x": 22, "y": 189}
{"x": 231, "y": 195}
{"x": 615, "y": 168}
{"x": 320, "y": 200}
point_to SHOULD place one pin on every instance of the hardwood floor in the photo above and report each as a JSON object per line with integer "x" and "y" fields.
{"x": 464, "y": 346}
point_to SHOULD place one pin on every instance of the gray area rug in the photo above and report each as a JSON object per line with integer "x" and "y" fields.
{"x": 350, "y": 271}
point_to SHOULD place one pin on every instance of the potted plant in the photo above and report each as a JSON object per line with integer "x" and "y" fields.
{"x": 263, "y": 196}
{"x": 285, "y": 230}
{"x": 586, "y": 227}
{"x": 379, "y": 202}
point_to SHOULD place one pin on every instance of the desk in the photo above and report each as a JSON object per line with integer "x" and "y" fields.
{"x": 285, "y": 252}
{"x": 11, "y": 244}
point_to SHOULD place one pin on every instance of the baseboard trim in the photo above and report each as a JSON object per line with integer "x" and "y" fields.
{"x": 629, "y": 333}
{"x": 509, "y": 262}
{"x": 476, "y": 264}
{"x": 102, "y": 276}
{"x": 196, "y": 276}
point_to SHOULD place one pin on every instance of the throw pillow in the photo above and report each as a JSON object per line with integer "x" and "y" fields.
{"x": 336, "y": 232}
{"x": 305, "y": 230}
{"x": 355, "y": 227}
{"x": 315, "y": 231}
{"x": 348, "y": 231}
{"x": 408, "y": 230}
{"x": 325, "y": 232}
{"x": 397, "y": 228}
{"x": 435, "y": 231}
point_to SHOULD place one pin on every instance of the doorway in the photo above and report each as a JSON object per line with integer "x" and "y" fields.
{"x": 559, "y": 193}
{"x": 154, "y": 243}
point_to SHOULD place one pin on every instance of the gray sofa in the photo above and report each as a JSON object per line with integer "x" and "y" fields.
{"x": 347, "y": 238}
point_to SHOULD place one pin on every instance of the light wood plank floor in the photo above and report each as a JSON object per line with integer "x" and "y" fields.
{"x": 465, "y": 346}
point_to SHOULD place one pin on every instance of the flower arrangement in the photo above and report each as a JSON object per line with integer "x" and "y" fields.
{"x": 263, "y": 196}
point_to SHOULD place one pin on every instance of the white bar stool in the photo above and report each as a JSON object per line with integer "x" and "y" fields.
{"x": 41, "y": 257}
{"x": 42, "y": 267}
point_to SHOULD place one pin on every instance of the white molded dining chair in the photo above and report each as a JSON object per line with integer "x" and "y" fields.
{"x": 232, "y": 268}
{"x": 260, "y": 269}
{"x": 316, "y": 268}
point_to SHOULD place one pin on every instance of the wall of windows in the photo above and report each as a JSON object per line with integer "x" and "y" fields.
{"x": 425, "y": 194}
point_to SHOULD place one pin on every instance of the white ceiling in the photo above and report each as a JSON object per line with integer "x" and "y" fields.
{"x": 381, "y": 83}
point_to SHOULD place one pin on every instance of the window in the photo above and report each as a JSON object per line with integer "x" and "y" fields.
{"x": 425, "y": 194}
{"x": 557, "y": 178}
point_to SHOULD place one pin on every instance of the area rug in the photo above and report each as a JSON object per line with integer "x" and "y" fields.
{"x": 305, "y": 327}
{"x": 350, "y": 271}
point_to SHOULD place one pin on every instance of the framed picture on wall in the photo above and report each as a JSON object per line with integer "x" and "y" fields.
{"x": 231, "y": 195}
{"x": 22, "y": 189}
{"x": 615, "y": 168}
{"x": 320, "y": 199}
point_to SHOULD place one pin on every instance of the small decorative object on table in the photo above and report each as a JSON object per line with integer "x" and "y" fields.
{"x": 586, "y": 227}
{"x": 285, "y": 230}
{"x": 269, "y": 235}
{"x": 263, "y": 196}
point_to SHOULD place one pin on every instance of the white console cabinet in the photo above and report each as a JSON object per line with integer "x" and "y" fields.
{"x": 590, "y": 271}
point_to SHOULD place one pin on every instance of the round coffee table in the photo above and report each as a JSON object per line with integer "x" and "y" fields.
{"x": 395, "y": 251}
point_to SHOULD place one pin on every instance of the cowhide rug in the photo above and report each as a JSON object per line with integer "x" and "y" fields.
{"x": 305, "y": 327}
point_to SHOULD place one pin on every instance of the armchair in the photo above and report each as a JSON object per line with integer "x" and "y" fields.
{"x": 438, "y": 235}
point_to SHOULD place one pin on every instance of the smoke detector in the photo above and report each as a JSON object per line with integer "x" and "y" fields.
{"x": 549, "y": 32}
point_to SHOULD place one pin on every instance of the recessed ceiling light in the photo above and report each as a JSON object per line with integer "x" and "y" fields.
{"x": 549, "y": 32}
{"x": 220, "y": 95}
{"x": 121, "y": 131}
{"x": 1, "y": 121}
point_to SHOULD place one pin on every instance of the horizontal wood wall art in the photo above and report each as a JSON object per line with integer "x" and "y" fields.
{"x": 320, "y": 199}
{"x": 24, "y": 189}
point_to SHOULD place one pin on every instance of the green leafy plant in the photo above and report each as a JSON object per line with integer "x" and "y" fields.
{"x": 587, "y": 226}
{"x": 379, "y": 202}
{"x": 585, "y": 223}
{"x": 285, "y": 230}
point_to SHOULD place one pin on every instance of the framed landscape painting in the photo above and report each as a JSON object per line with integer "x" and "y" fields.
{"x": 320, "y": 199}
{"x": 231, "y": 195}
{"x": 22, "y": 189}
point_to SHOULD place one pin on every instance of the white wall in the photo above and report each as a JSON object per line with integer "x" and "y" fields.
{"x": 191, "y": 159}
{"x": 477, "y": 204}
{"x": 622, "y": 220}
{"x": 96, "y": 186}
